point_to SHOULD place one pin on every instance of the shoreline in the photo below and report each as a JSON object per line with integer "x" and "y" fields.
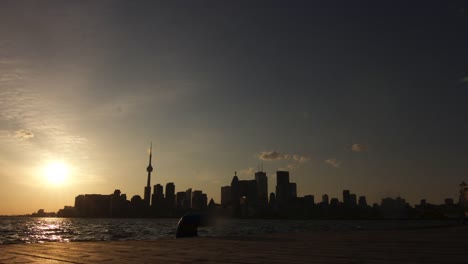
{"x": 428, "y": 245}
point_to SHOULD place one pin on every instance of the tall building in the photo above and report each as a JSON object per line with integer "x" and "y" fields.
{"x": 325, "y": 199}
{"x": 188, "y": 198}
{"x": 262, "y": 185}
{"x": 149, "y": 169}
{"x": 309, "y": 200}
{"x": 245, "y": 190}
{"x": 157, "y": 199}
{"x": 293, "y": 186}
{"x": 346, "y": 198}
{"x": 334, "y": 202}
{"x": 170, "y": 195}
{"x": 283, "y": 188}
{"x": 362, "y": 201}
{"x": 180, "y": 199}
{"x": 352, "y": 200}
{"x": 272, "y": 202}
{"x": 198, "y": 200}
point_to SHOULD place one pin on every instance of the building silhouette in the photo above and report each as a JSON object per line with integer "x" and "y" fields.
{"x": 262, "y": 184}
{"x": 249, "y": 198}
{"x": 283, "y": 188}
{"x": 362, "y": 201}
{"x": 325, "y": 200}
{"x": 149, "y": 169}
{"x": 170, "y": 196}
{"x": 226, "y": 195}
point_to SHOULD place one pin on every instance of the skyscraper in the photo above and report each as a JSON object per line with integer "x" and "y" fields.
{"x": 346, "y": 198}
{"x": 262, "y": 185}
{"x": 283, "y": 188}
{"x": 325, "y": 199}
{"x": 362, "y": 201}
{"x": 188, "y": 198}
{"x": 170, "y": 195}
{"x": 293, "y": 186}
{"x": 149, "y": 169}
{"x": 157, "y": 199}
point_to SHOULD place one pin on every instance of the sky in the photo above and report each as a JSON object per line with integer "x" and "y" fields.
{"x": 369, "y": 96}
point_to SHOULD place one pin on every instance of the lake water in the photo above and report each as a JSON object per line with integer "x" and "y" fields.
{"x": 40, "y": 230}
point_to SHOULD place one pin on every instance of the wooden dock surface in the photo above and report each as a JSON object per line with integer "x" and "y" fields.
{"x": 428, "y": 245}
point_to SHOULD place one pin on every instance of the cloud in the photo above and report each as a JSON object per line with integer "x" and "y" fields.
{"x": 274, "y": 155}
{"x": 359, "y": 148}
{"x": 301, "y": 159}
{"x": 247, "y": 172}
{"x": 333, "y": 162}
{"x": 290, "y": 166}
{"x": 464, "y": 80}
{"x": 22, "y": 133}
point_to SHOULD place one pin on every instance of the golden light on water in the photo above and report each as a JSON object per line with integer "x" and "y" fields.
{"x": 56, "y": 172}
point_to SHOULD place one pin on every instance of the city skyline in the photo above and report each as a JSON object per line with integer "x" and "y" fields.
{"x": 364, "y": 96}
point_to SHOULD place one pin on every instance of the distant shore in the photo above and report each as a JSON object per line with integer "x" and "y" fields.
{"x": 423, "y": 245}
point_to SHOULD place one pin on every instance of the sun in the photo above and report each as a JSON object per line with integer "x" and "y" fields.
{"x": 56, "y": 172}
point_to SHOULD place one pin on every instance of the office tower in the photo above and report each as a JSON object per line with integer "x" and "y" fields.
{"x": 346, "y": 198}
{"x": 309, "y": 201}
{"x": 226, "y": 195}
{"x": 205, "y": 200}
{"x": 157, "y": 199}
{"x": 197, "y": 200}
{"x": 170, "y": 195}
{"x": 149, "y": 169}
{"x": 293, "y": 186}
{"x": 272, "y": 202}
{"x": 334, "y": 202}
{"x": 325, "y": 199}
{"x": 352, "y": 200}
{"x": 262, "y": 185}
{"x": 362, "y": 201}
{"x": 188, "y": 198}
{"x": 283, "y": 188}
{"x": 180, "y": 199}
{"x": 245, "y": 190}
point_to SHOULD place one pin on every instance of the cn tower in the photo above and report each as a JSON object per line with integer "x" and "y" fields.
{"x": 149, "y": 169}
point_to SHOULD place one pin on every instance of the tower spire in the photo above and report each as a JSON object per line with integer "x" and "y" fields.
{"x": 149, "y": 169}
{"x": 150, "y": 152}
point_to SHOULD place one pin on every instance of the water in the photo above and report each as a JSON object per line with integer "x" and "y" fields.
{"x": 39, "y": 230}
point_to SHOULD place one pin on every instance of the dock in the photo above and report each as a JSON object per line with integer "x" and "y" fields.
{"x": 425, "y": 245}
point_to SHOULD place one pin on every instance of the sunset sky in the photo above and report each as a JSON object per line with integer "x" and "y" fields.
{"x": 357, "y": 95}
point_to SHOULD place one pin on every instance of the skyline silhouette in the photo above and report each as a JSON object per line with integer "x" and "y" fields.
{"x": 251, "y": 199}
{"x": 366, "y": 96}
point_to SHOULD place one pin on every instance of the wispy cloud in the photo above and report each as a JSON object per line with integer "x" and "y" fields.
{"x": 274, "y": 155}
{"x": 301, "y": 159}
{"x": 23, "y": 133}
{"x": 290, "y": 167}
{"x": 359, "y": 148}
{"x": 333, "y": 162}
{"x": 248, "y": 172}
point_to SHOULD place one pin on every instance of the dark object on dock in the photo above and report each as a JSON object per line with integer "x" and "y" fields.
{"x": 189, "y": 223}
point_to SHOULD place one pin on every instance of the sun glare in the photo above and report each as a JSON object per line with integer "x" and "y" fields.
{"x": 56, "y": 172}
